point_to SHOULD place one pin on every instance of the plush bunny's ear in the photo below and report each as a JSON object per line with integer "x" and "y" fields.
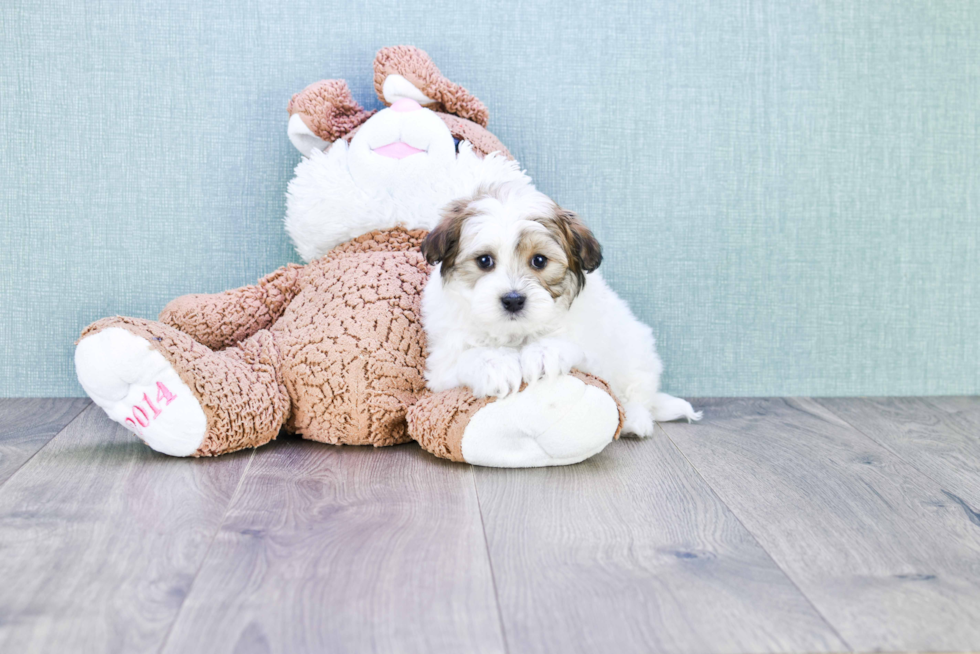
{"x": 302, "y": 137}
{"x": 416, "y": 69}
{"x": 322, "y": 113}
{"x": 396, "y": 87}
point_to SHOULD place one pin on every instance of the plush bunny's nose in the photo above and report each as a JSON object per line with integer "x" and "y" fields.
{"x": 405, "y": 105}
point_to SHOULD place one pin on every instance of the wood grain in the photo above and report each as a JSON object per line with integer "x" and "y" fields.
{"x": 345, "y": 549}
{"x": 939, "y": 436}
{"x": 631, "y": 551}
{"x": 100, "y": 538}
{"x": 27, "y": 424}
{"x": 884, "y": 554}
{"x": 802, "y": 526}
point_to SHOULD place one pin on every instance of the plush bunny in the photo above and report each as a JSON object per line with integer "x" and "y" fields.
{"x": 334, "y": 350}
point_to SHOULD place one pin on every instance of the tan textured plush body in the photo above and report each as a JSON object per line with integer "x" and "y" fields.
{"x": 335, "y": 350}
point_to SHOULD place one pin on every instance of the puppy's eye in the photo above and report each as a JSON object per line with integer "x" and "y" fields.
{"x": 539, "y": 261}
{"x": 484, "y": 262}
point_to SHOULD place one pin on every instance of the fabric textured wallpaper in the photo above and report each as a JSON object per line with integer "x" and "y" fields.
{"x": 787, "y": 192}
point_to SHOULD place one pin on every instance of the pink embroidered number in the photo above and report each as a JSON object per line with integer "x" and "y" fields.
{"x": 143, "y": 419}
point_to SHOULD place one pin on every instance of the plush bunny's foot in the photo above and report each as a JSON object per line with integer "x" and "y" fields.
{"x": 178, "y": 395}
{"x": 138, "y": 388}
{"x": 551, "y": 423}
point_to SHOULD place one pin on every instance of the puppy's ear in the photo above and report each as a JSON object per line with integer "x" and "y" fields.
{"x": 581, "y": 243}
{"x": 442, "y": 243}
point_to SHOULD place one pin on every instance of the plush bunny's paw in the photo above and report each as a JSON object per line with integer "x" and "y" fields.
{"x": 138, "y": 388}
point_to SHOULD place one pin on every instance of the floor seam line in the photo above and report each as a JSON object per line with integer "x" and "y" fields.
{"x": 493, "y": 576}
{"x": 748, "y": 531}
{"x": 50, "y": 440}
{"x": 884, "y": 446}
{"x": 204, "y": 558}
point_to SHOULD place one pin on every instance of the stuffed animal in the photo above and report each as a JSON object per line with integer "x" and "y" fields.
{"x": 334, "y": 350}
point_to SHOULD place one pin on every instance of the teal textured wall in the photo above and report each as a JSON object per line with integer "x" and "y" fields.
{"x": 788, "y": 192}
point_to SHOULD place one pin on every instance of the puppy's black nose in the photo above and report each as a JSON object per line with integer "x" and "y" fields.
{"x": 513, "y": 301}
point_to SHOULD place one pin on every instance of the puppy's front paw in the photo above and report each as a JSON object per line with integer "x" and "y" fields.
{"x": 548, "y": 358}
{"x": 491, "y": 372}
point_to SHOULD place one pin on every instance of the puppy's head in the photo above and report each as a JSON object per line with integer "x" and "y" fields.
{"x": 513, "y": 257}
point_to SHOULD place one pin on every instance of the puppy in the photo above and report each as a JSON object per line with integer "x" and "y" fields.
{"x": 514, "y": 297}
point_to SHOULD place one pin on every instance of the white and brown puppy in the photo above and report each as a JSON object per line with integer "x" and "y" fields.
{"x": 515, "y": 298}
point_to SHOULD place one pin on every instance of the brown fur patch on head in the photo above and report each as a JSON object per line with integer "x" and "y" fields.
{"x": 442, "y": 243}
{"x": 582, "y": 250}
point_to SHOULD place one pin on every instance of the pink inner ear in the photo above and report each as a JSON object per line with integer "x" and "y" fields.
{"x": 397, "y": 150}
{"x": 405, "y": 104}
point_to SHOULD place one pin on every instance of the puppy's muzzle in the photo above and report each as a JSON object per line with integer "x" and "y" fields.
{"x": 513, "y": 302}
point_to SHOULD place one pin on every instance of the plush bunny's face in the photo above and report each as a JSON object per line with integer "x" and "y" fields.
{"x": 401, "y": 147}
{"x": 402, "y": 165}
{"x": 366, "y": 171}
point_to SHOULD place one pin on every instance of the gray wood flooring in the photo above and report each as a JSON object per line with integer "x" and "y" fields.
{"x": 774, "y": 525}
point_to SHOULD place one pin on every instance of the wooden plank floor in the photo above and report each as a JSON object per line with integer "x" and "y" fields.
{"x": 774, "y": 525}
{"x": 26, "y": 425}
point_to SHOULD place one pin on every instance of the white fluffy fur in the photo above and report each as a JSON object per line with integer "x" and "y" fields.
{"x": 347, "y": 191}
{"x": 474, "y": 342}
